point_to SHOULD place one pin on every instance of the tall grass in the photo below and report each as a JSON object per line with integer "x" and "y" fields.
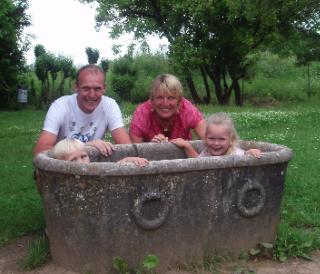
{"x": 295, "y": 126}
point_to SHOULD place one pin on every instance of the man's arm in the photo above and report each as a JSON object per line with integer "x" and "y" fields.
{"x": 120, "y": 136}
{"x": 45, "y": 142}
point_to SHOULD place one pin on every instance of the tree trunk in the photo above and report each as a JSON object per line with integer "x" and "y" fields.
{"x": 205, "y": 81}
{"x": 237, "y": 93}
{"x": 222, "y": 94}
{"x": 192, "y": 89}
{"x": 309, "y": 84}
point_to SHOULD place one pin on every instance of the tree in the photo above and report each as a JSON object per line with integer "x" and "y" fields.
{"x": 123, "y": 77}
{"x": 47, "y": 68}
{"x": 307, "y": 49}
{"x": 215, "y": 36}
{"x": 105, "y": 65}
{"x": 13, "y": 19}
{"x": 39, "y": 50}
{"x": 93, "y": 55}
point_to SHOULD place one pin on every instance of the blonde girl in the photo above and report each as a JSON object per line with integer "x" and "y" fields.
{"x": 221, "y": 138}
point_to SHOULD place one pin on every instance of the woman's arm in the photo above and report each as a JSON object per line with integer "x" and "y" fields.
{"x": 135, "y": 139}
{"x": 200, "y": 129}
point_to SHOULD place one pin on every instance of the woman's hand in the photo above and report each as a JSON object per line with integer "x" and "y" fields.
{"x": 159, "y": 138}
{"x": 105, "y": 148}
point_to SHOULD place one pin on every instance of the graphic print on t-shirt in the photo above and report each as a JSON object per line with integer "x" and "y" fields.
{"x": 85, "y": 133}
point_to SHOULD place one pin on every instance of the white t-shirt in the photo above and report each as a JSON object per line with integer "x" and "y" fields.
{"x": 237, "y": 151}
{"x": 65, "y": 119}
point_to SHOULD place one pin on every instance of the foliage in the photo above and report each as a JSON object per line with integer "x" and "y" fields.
{"x": 215, "y": 37}
{"x": 291, "y": 242}
{"x": 123, "y": 77}
{"x": 37, "y": 254}
{"x": 278, "y": 79}
{"x": 262, "y": 250}
{"x": 39, "y": 50}
{"x": 47, "y": 68}
{"x": 241, "y": 270}
{"x": 130, "y": 77}
{"x": 93, "y": 55}
{"x": 13, "y": 19}
{"x": 105, "y": 65}
{"x": 146, "y": 266}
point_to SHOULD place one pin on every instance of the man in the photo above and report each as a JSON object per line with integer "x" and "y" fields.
{"x": 85, "y": 115}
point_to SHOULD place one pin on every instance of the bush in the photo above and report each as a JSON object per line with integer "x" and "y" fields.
{"x": 130, "y": 78}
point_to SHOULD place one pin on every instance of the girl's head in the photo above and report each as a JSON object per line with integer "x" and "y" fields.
{"x": 70, "y": 150}
{"x": 221, "y": 135}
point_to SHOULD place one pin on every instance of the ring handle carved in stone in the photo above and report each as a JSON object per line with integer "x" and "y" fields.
{"x": 156, "y": 222}
{"x": 242, "y": 195}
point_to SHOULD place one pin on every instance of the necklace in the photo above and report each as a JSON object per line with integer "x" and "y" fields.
{"x": 166, "y": 126}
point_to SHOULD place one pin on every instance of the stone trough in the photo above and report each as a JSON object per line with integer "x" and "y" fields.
{"x": 175, "y": 208}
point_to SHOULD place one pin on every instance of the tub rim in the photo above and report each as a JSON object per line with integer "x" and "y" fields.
{"x": 279, "y": 154}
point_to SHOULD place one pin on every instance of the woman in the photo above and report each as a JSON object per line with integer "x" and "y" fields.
{"x": 166, "y": 115}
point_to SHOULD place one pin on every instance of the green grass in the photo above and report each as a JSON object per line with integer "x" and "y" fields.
{"x": 37, "y": 254}
{"x": 296, "y": 126}
{"x": 20, "y": 204}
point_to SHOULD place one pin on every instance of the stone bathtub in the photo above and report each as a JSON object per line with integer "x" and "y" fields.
{"x": 178, "y": 209}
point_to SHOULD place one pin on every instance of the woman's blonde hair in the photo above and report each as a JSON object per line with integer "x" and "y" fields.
{"x": 168, "y": 83}
{"x": 222, "y": 118}
{"x": 65, "y": 147}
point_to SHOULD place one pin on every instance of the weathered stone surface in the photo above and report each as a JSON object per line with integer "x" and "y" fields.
{"x": 178, "y": 209}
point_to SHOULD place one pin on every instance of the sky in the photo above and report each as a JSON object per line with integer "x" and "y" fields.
{"x": 67, "y": 27}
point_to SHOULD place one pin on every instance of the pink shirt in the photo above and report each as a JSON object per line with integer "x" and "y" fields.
{"x": 145, "y": 125}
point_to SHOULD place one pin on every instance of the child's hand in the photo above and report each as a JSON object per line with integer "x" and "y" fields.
{"x": 142, "y": 162}
{"x": 254, "y": 152}
{"x": 180, "y": 142}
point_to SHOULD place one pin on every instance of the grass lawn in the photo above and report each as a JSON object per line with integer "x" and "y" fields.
{"x": 296, "y": 126}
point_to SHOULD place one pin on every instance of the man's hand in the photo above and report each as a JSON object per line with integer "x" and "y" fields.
{"x": 105, "y": 148}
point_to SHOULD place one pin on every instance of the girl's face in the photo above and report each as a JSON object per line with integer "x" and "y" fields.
{"x": 218, "y": 140}
{"x": 78, "y": 156}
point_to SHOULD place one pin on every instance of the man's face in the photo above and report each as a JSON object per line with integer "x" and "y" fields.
{"x": 90, "y": 89}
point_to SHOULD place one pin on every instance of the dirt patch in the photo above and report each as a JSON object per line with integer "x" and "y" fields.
{"x": 12, "y": 254}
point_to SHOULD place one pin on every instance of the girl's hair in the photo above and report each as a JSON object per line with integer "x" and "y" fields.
{"x": 66, "y": 146}
{"x": 168, "y": 83}
{"x": 222, "y": 118}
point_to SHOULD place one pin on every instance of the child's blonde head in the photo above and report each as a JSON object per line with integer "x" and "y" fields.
{"x": 222, "y": 118}
{"x": 65, "y": 147}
